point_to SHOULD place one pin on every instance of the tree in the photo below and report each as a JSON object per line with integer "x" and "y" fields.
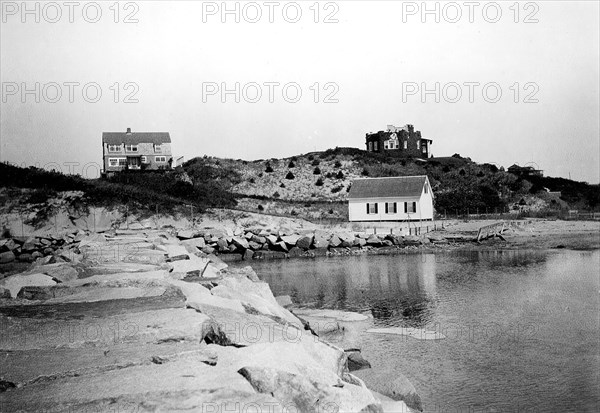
{"x": 317, "y": 171}
{"x": 290, "y": 175}
{"x": 340, "y": 175}
{"x": 319, "y": 182}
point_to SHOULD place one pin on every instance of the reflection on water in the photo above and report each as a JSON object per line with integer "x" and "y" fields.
{"x": 522, "y": 326}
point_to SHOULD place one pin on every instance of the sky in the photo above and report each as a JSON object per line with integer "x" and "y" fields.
{"x": 499, "y": 82}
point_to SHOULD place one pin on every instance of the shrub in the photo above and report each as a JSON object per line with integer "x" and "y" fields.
{"x": 365, "y": 172}
{"x": 290, "y": 175}
{"x": 268, "y": 169}
{"x": 317, "y": 171}
{"x": 310, "y": 157}
{"x": 319, "y": 182}
{"x": 276, "y": 195}
{"x": 316, "y": 162}
{"x": 252, "y": 180}
{"x": 282, "y": 185}
{"x": 338, "y": 164}
{"x": 337, "y": 189}
{"x": 294, "y": 213}
{"x": 291, "y": 164}
{"x": 261, "y": 208}
{"x": 340, "y": 175}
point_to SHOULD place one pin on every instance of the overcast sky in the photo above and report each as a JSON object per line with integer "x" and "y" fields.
{"x": 369, "y": 69}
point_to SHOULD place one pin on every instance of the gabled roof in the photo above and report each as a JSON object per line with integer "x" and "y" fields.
{"x": 401, "y": 186}
{"x": 134, "y": 138}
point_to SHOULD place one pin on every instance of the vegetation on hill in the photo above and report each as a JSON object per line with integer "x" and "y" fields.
{"x": 459, "y": 184}
{"x": 166, "y": 191}
{"x": 317, "y": 188}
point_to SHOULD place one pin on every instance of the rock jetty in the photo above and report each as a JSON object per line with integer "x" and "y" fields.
{"x": 150, "y": 320}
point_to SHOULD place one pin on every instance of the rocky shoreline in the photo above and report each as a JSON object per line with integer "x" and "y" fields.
{"x": 143, "y": 319}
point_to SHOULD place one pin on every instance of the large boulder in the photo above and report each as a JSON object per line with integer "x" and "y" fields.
{"x": 399, "y": 388}
{"x": 374, "y": 241}
{"x": 14, "y": 283}
{"x": 290, "y": 240}
{"x": 6, "y": 257}
{"x": 241, "y": 242}
{"x": 305, "y": 242}
{"x": 335, "y": 241}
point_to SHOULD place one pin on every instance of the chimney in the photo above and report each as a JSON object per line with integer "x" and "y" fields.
{"x": 128, "y": 131}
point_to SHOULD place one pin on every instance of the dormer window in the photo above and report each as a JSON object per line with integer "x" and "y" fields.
{"x": 157, "y": 148}
{"x": 131, "y": 148}
{"x": 114, "y": 148}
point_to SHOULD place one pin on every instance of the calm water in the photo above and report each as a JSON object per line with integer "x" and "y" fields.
{"x": 522, "y": 327}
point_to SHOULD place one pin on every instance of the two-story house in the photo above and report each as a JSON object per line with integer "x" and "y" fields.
{"x": 399, "y": 141}
{"x": 136, "y": 150}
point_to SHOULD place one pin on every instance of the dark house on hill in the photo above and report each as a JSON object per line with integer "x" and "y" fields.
{"x": 136, "y": 150}
{"x": 525, "y": 171}
{"x": 399, "y": 141}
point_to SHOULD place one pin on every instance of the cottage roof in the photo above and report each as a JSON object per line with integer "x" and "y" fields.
{"x": 134, "y": 138}
{"x": 401, "y": 186}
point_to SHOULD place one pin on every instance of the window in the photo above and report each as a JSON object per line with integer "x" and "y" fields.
{"x": 371, "y": 146}
{"x": 417, "y": 144}
{"x": 114, "y": 148}
{"x": 375, "y": 146}
{"x": 157, "y": 149}
{"x": 145, "y": 159}
{"x": 410, "y": 207}
{"x": 115, "y": 162}
{"x": 160, "y": 159}
{"x": 426, "y": 189}
{"x": 131, "y": 148}
{"x": 390, "y": 208}
{"x": 371, "y": 208}
{"x": 405, "y": 144}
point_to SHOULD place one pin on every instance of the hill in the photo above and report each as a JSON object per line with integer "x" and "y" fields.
{"x": 312, "y": 186}
{"x": 315, "y": 185}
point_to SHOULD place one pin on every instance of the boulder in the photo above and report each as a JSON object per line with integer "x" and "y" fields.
{"x": 208, "y": 250}
{"x": 254, "y": 245}
{"x": 241, "y": 242}
{"x": 284, "y": 300}
{"x": 248, "y": 255}
{"x": 185, "y": 234}
{"x": 290, "y": 239}
{"x": 222, "y": 244}
{"x": 259, "y": 239}
{"x": 194, "y": 242}
{"x": 305, "y": 242}
{"x": 356, "y": 361}
{"x": 25, "y": 257}
{"x": 14, "y": 283}
{"x": 320, "y": 242}
{"x": 374, "y": 241}
{"x": 272, "y": 239}
{"x": 295, "y": 252}
{"x": 335, "y": 241}
{"x": 6, "y": 257}
{"x": 189, "y": 267}
{"x": 397, "y": 389}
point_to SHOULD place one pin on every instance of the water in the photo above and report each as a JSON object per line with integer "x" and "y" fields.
{"x": 522, "y": 327}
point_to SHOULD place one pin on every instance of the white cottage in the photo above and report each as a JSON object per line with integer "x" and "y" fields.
{"x": 403, "y": 198}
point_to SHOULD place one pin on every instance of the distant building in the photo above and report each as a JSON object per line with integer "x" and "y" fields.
{"x": 405, "y": 198}
{"x": 400, "y": 141}
{"x": 525, "y": 171}
{"x": 136, "y": 150}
